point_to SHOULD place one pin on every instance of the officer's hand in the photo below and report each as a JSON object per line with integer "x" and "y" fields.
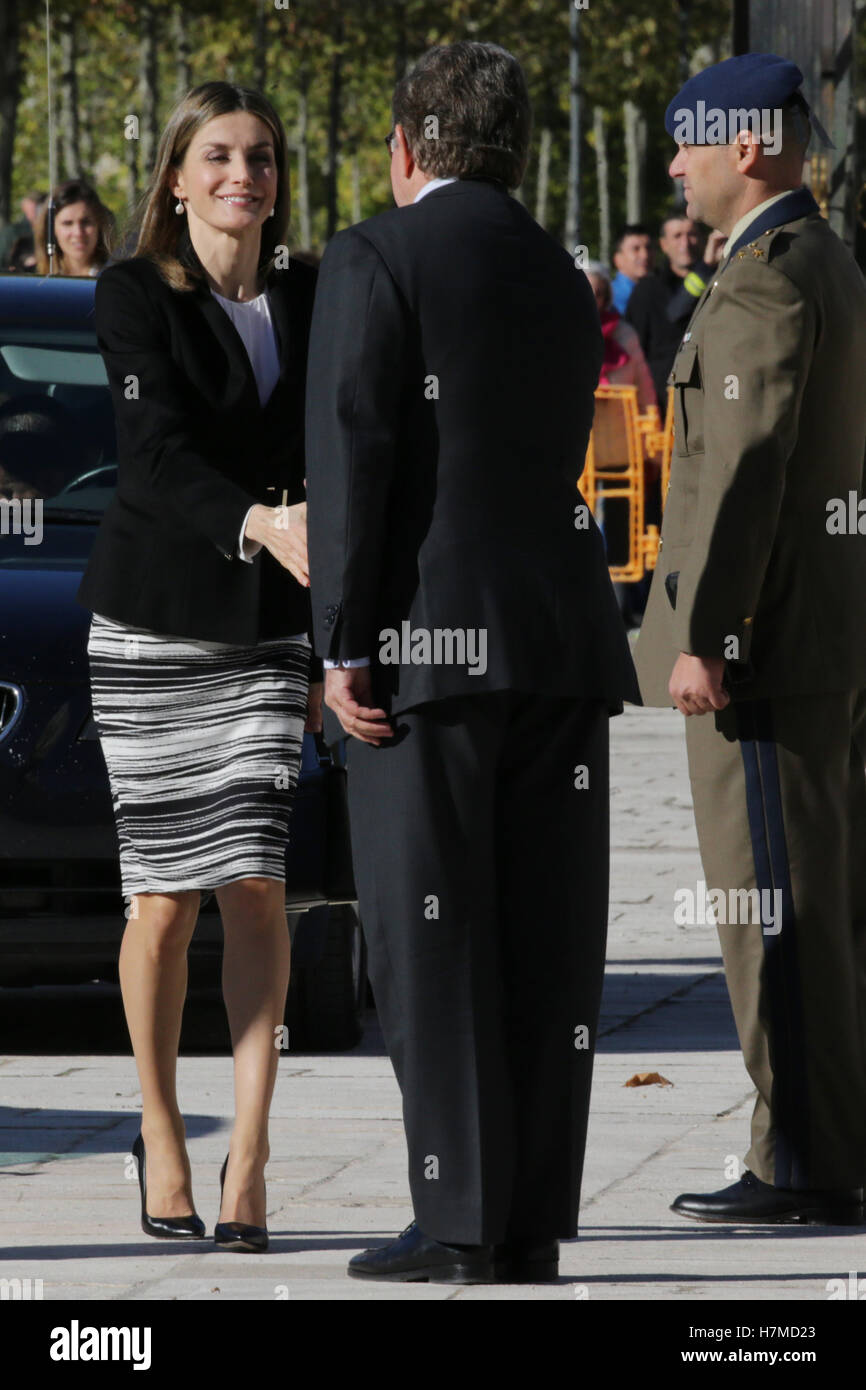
{"x": 696, "y": 684}
{"x": 714, "y": 247}
{"x": 349, "y": 694}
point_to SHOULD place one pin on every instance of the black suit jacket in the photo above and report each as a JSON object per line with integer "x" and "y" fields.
{"x": 196, "y": 451}
{"x": 454, "y": 353}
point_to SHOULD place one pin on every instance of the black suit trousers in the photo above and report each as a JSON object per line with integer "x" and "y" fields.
{"x": 480, "y": 840}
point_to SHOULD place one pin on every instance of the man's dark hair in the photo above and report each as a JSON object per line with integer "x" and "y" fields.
{"x": 466, "y": 112}
{"x": 674, "y": 215}
{"x": 630, "y": 229}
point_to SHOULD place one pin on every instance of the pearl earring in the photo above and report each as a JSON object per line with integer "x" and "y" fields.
{"x": 178, "y": 207}
{"x": 272, "y": 212}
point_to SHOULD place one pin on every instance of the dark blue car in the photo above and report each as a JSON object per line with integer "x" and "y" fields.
{"x": 61, "y": 909}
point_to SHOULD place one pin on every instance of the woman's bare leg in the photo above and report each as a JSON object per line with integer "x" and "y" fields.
{"x": 255, "y": 983}
{"x": 153, "y": 981}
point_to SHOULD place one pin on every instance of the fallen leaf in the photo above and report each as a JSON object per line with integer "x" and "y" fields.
{"x": 648, "y": 1078}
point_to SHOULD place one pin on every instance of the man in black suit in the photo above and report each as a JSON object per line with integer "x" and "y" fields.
{"x": 461, "y": 599}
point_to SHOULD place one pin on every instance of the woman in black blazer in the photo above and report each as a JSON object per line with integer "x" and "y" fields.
{"x": 199, "y": 650}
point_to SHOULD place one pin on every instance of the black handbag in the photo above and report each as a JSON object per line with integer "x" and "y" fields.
{"x": 319, "y": 852}
{"x": 339, "y": 877}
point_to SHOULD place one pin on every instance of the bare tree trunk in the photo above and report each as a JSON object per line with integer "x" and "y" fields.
{"x": 334, "y": 105}
{"x": 572, "y": 215}
{"x": 182, "y": 64}
{"x": 10, "y": 89}
{"x": 300, "y": 145}
{"x": 542, "y": 187}
{"x": 601, "y": 172}
{"x": 635, "y": 154}
{"x": 131, "y": 160}
{"x": 305, "y": 230}
{"x": 356, "y": 187}
{"x": 69, "y": 127}
{"x": 401, "y": 47}
{"x": 53, "y": 140}
{"x": 685, "y": 17}
{"x": 261, "y": 45}
{"x": 148, "y": 84}
{"x": 85, "y": 138}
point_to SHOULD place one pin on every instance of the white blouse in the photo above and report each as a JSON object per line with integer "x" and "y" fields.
{"x": 252, "y": 319}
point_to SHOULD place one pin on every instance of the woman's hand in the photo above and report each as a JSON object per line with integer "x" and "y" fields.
{"x": 314, "y": 707}
{"x": 283, "y": 531}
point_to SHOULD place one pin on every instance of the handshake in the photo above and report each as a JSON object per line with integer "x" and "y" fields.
{"x": 282, "y": 531}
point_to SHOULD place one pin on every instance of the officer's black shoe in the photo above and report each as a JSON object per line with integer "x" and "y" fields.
{"x": 751, "y": 1201}
{"x": 527, "y": 1262}
{"x": 416, "y": 1258}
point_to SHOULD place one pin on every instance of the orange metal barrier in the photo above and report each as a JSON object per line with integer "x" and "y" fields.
{"x": 663, "y": 444}
{"x": 621, "y": 442}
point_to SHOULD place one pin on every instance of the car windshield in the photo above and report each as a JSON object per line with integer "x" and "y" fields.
{"x": 56, "y": 420}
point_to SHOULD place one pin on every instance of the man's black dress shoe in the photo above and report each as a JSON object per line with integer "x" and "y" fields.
{"x": 527, "y": 1262}
{"x": 414, "y": 1257}
{"x": 751, "y": 1201}
{"x": 164, "y": 1227}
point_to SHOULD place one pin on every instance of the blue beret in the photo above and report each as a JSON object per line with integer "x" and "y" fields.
{"x": 752, "y": 81}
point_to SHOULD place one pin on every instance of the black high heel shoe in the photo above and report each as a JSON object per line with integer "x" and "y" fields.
{"x": 165, "y": 1227}
{"x": 237, "y": 1235}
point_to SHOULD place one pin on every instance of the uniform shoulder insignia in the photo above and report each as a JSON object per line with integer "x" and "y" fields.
{"x": 760, "y": 248}
{"x": 769, "y": 240}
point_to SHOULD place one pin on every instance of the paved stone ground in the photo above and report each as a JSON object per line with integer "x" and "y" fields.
{"x": 337, "y": 1182}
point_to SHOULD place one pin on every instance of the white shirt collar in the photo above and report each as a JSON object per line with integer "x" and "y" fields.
{"x": 428, "y": 187}
{"x": 749, "y": 218}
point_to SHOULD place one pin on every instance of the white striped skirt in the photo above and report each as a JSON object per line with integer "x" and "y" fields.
{"x": 202, "y": 742}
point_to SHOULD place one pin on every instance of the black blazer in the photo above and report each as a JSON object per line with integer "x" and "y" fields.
{"x": 454, "y": 354}
{"x": 195, "y": 451}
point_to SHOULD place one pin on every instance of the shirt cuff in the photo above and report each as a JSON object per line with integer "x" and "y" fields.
{"x": 247, "y": 549}
{"x": 346, "y": 665}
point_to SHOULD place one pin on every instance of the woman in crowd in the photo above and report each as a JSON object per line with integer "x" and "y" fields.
{"x": 624, "y": 363}
{"x": 82, "y": 231}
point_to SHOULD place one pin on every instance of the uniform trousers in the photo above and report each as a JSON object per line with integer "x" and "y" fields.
{"x": 780, "y": 803}
{"x": 480, "y": 841}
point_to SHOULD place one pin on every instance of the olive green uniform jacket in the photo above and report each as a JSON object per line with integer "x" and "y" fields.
{"x": 770, "y": 438}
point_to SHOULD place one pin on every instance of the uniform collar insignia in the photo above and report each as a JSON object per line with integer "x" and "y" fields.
{"x": 798, "y": 203}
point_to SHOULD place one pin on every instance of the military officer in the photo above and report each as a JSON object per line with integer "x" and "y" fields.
{"x": 755, "y": 631}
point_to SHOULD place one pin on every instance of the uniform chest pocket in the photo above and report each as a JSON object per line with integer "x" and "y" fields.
{"x": 685, "y": 378}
